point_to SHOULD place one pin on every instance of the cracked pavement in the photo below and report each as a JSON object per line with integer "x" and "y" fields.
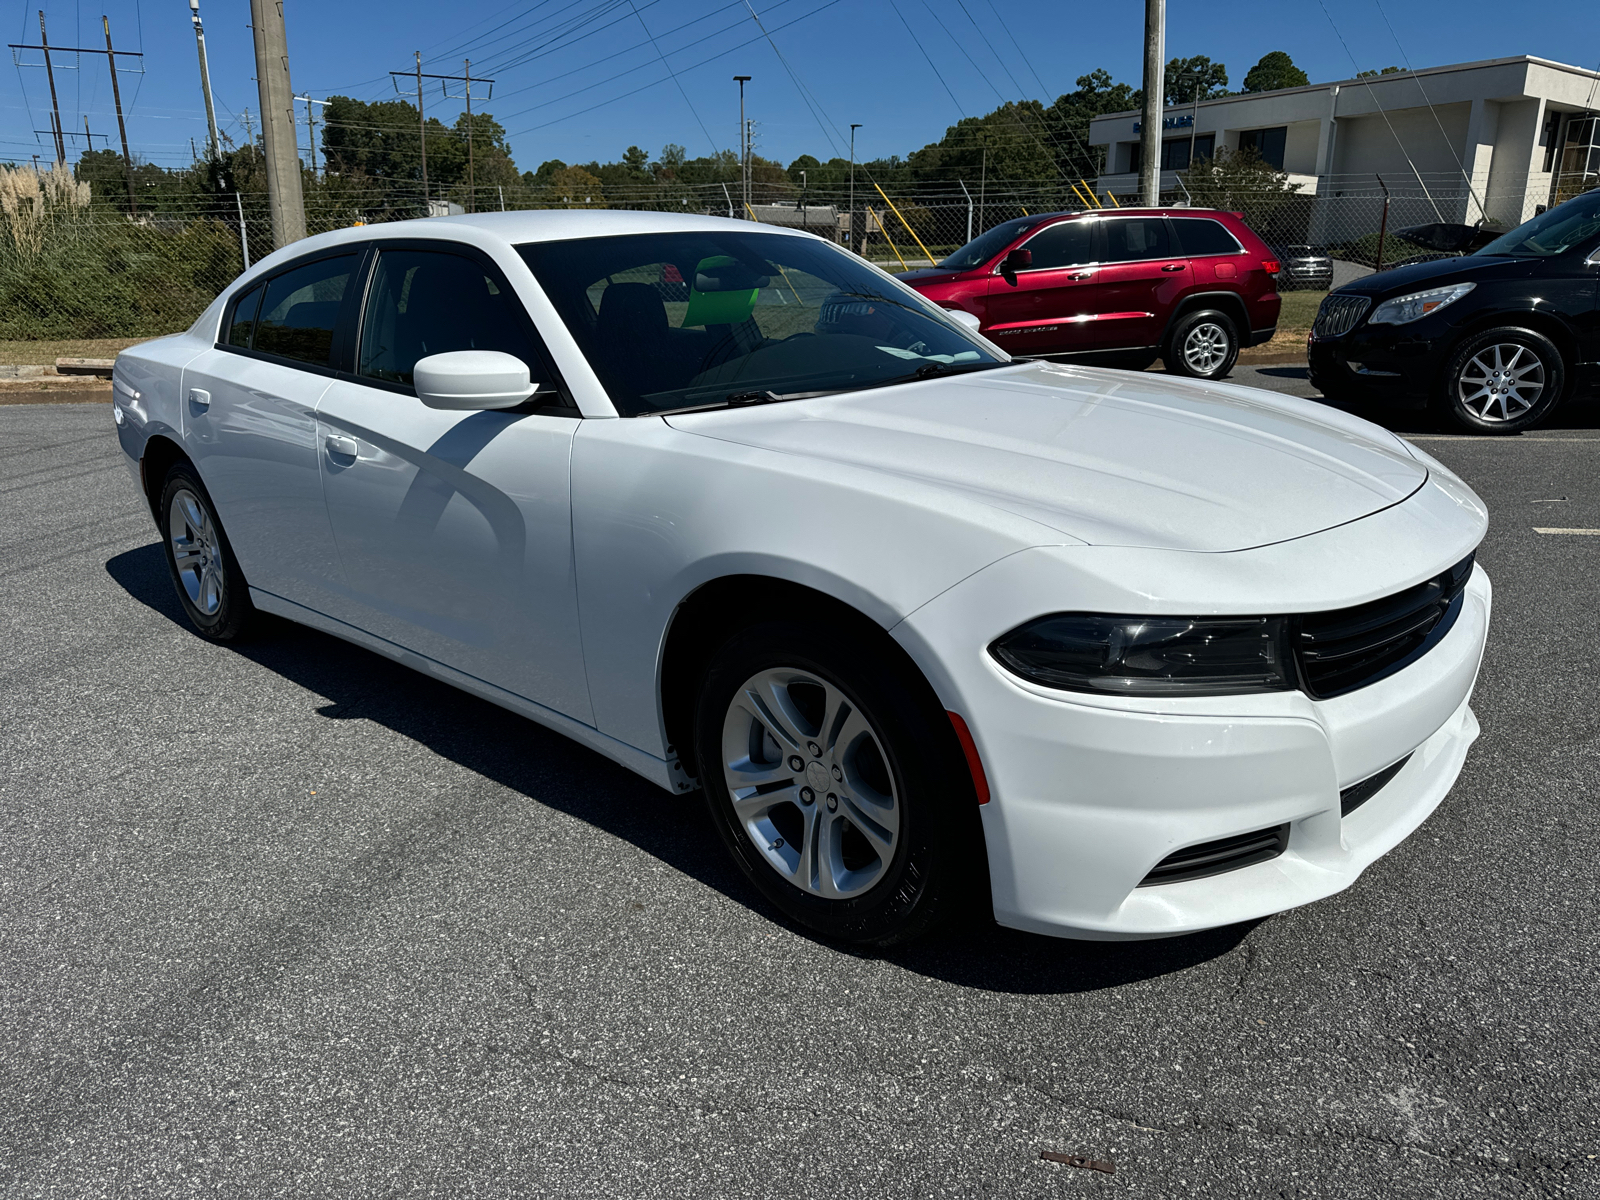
{"x": 289, "y": 919}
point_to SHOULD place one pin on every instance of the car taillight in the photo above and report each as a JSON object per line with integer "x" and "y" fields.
{"x": 1271, "y": 266}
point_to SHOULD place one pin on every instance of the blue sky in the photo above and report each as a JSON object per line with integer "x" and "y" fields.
{"x": 855, "y": 57}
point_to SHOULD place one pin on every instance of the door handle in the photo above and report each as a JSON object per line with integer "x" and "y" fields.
{"x": 1081, "y": 275}
{"x": 199, "y": 397}
{"x": 1173, "y": 267}
{"x": 343, "y": 447}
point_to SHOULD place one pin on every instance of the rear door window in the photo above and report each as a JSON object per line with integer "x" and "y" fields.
{"x": 1202, "y": 236}
{"x": 1066, "y": 244}
{"x": 301, "y": 310}
{"x": 1134, "y": 239}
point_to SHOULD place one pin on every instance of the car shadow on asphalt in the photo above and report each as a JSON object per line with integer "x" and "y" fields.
{"x": 550, "y": 769}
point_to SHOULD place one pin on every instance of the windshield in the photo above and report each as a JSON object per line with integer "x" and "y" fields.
{"x": 1551, "y": 233}
{"x": 678, "y": 320}
{"x": 986, "y": 245}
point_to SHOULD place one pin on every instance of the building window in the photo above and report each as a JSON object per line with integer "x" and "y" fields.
{"x": 1175, "y": 152}
{"x": 1268, "y": 143}
{"x": 1580, "y": 158}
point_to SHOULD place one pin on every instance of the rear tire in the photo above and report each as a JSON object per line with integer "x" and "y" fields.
{"x": 836, "y": 782}
{"x": 1202, "y": 345}
{"x": 1502, "y": 381}
{"x": 209, "y": 583}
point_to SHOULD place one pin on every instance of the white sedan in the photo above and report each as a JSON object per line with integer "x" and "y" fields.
{"x": 1124, "y": 655}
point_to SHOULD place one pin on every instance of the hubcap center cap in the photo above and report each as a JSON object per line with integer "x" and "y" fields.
{"x": 817, "y": 776}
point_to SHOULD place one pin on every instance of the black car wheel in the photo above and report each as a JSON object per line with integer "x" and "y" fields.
{"x": 1203, "y": 345}
{"x": 836, "y": 782}
{"x": 210, "y": 585}
{"x": 1503, "y": 381}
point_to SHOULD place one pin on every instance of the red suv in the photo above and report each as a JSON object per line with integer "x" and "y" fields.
{"x": 1117, "y": 287}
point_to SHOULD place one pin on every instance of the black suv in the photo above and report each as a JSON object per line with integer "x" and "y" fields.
{"x": 1496, "y": 339}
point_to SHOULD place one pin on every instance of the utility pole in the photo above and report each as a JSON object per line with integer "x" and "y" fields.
{"x": 854, "y": 240}
{"x": 122, "y": 126}
{"x": 467, "y": 80}
{"x": 249, "y": 126}
{"x": 277, "y": 122}
{"x": 744, "y": 142}
{"x": 311, "y": 128}
{"x": 205, "y": 79}
{"x": 422, "y": 136}
{"x": 50, "y": 74}
{"x": 1155, "y": 57}
{"x": 116, "y": 94}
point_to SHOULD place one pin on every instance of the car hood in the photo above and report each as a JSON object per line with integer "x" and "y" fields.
{"x": 1114, "y": 458}
{"x": 1437, "y": 273}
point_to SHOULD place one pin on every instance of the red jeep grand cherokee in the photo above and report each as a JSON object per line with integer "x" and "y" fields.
{"x": 1117, "y": 287}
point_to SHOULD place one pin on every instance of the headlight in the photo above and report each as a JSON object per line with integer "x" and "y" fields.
{"x": 1150, "y": 656}
{"x": 1419, "y": 304}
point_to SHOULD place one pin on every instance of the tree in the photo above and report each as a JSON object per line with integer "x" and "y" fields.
{"x": 572, "y": 187}
{"x": 1185, "y": 76}
{"x": 1275, "y": 70}
{"x": 1375, "y": 74}
{"x": 1241, "y": 181}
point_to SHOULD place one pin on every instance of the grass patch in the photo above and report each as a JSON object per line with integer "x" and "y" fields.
{"x": 1298, "y": 311}
{"x": 45, "y": 353}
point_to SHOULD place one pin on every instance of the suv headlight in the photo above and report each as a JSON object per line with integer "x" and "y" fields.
{"x": 1419, "y": 304}
{"x": 1150, "y": 656}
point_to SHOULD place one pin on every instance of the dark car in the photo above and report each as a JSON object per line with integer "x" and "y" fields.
{"x": 1305, "y": 269}
{"x": 1495, "y": 339}
{"x": 1120, "y": 288}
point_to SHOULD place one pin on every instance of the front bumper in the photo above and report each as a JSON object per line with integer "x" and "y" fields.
{"x": 1090, "y": 792}
{"x": 1381, "y": 362}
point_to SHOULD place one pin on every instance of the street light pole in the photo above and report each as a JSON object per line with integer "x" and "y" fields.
{"x": 855, "y": 242}
{"x": 744, "y": 143}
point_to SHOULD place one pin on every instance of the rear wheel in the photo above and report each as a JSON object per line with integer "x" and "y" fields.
{"x": 1203, "y": 345}
{"x": 1503, "y": 381}
{"x": 210, "y": 585}
{"x": 835, "y": 782}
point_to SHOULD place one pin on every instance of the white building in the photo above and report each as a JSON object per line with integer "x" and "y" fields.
{"x": 1495, "y": 138}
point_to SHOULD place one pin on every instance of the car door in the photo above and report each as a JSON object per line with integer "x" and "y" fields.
{"x": 1052, "y": 305}
{"x": 454, "y": 528}
{"x": 1143, "y": 277}
{"x": 249, "y": 424}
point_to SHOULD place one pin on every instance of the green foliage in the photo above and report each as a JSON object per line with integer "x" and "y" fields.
{"x": 1186, "y": 76}
{"x": 1375, "y": 74}
{"x": 1240, "y": 181}
{"x": 1275, "y": 70}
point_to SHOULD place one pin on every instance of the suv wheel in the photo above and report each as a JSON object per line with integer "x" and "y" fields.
{"x": 1503, "y": 381}
{"x": 210, "y": 585}
{"x": 836, "y": 784}
{"x": 1203, "y": 345}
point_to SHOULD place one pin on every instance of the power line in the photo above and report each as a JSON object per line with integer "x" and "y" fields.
{"x": 715, "y": 149}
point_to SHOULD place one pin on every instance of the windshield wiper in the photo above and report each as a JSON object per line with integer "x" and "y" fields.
{"x": 744, "y": 400}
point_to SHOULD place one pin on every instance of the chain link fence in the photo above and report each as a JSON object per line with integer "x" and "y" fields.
{"x": 76, "y": 266}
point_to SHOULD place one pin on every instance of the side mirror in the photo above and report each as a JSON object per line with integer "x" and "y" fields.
{"x": 1017, "y": 260}
{"x": 962, "y": 317}
{"x": 472, "y": 379}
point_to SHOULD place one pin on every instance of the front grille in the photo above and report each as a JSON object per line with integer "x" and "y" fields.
{"x": 1357, "y": 794}
{"x": 1339, "y": 315}
{"x": 1224, "y": 854}
{"x": 1349, "y": 648}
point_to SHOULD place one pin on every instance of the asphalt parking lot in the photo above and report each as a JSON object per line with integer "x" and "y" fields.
{"x": 289, "y": 919}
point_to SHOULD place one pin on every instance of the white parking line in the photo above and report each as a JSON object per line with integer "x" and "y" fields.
{"x": 1587, "y": 532}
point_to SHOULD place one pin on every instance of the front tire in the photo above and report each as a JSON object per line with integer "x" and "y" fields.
{"x": 1503, "y": 381}
{"x": 207, "y": 577}
{"x": 1203, "y": 345}
{"x": 836, "y": 782}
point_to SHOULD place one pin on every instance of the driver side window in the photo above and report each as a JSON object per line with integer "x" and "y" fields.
{"x": 424, "y": 302}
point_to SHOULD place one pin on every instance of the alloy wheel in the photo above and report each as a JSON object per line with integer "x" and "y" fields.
{"x": 1205, "y": 348}
{"x": 196, "y": 551}
{"x": 810, "y": 783}
{"x": 1501, "y": 382}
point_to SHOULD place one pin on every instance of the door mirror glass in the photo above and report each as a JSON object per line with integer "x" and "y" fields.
{"x": 472, "y": 379}
{"x": 1017, "y": 260}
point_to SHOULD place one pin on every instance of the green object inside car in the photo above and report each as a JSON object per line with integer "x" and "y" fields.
{"x": 722, "y": 292}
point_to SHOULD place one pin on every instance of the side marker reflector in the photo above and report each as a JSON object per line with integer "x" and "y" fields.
{"x": 980, "y": 781}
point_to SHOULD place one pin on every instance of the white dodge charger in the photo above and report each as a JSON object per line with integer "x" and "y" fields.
{"x": 1124, "y": 655}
